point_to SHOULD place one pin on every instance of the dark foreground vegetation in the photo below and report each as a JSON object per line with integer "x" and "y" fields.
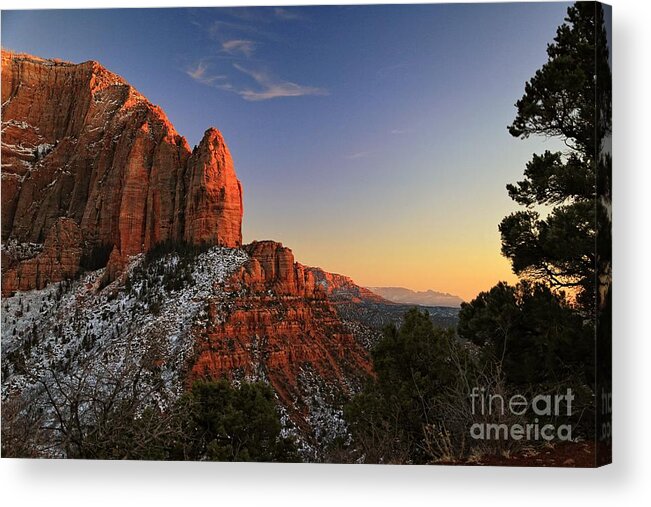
{"x": 212, "y": 421}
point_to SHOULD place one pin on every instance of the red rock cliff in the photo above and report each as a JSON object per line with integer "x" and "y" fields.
{"x": 79, "y": 142}
{"x": 272, "y": 266}
{"x": 58, "y": 260}
{"x": 213, "y": 208}
{"x": 279, "y": 324}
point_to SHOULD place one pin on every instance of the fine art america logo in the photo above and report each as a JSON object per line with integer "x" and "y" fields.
{"x": 540, "y": 407}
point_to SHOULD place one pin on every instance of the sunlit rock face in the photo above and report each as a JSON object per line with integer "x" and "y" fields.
{"x": 213, "y": 205}
{"x": 79, "y": 142}
{"x": 278, "y": 322}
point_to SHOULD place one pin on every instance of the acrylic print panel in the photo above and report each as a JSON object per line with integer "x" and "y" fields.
{"x": 436, "y": 183}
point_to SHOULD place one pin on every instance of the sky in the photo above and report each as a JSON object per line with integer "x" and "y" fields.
{"x": 371, "y": 140}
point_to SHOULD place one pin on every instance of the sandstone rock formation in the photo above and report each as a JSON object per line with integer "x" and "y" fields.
{"x": 59, "y": 259}
{"x": 280, "y": 325}
{"x": 213, "y": 207}
{"x": 79, "y": 142}
{"x": 272, "y": 266}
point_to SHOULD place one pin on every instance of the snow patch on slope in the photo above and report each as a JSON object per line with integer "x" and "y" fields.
{"x": 53, "y": 335}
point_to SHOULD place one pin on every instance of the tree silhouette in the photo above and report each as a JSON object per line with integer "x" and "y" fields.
{"x": 568, "y": 98}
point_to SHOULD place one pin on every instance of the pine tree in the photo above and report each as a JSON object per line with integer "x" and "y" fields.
{"x": 568, "y": 98}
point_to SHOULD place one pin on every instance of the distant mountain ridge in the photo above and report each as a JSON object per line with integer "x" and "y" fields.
{"x": 422, "y": 298}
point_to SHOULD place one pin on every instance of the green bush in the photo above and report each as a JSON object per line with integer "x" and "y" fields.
{"x": 388, "y": 419}
{"x": 238, "y": 424}
{"x": 530, "y": 331}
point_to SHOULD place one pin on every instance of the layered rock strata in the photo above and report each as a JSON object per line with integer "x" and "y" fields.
{"x": 277, "y": 322}
{"x": 79, "y": 142}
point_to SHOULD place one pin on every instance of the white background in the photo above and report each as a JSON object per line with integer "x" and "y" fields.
{"x": 626, "y": 482}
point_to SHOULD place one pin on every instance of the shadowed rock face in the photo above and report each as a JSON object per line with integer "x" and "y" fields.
{"x": 58, "y": 260}
{"x": 79, "y": 142}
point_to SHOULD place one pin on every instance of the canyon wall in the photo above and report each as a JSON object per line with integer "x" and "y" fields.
{"x": 79, "y": 142}
{"x": 278, "y": 322}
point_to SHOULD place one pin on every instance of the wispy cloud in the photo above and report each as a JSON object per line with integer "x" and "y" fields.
{"x": 239, "y": 47}
{"x": 220, "y": 29}
{"x": 287, "y": 14}
{"x": 271, "y": 88}
{"x": 200, "y": 73}
{"x": 357, "y": 155}
{"x": 238, "y": 33}
{"x": 399, "y": 132}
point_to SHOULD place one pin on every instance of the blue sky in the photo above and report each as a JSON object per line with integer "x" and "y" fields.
{"x": 370, "y": 139}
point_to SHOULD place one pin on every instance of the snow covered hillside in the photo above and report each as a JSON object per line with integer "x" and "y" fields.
{"x": 131, "y": 336}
